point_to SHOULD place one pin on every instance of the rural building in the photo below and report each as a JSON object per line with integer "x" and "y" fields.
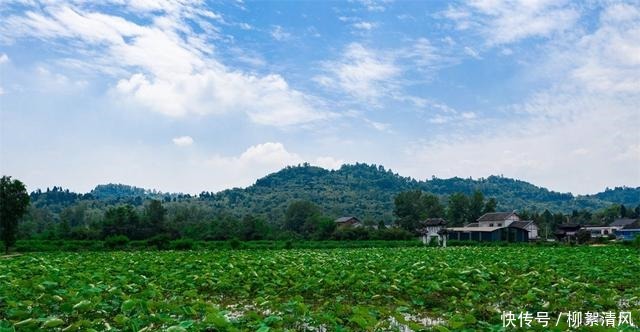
{"x": 567, "y": 232}
{"x": 347, "y": 222}
{"x": 621, "y": 222}
{"x": 497, "y": 219}
{"x": 505, "y": 219}
{"x": 505, "y": 233}
{"x": 600, "y": 230}
{"x": 629, "y": 232}
{"x": 430, "y": 228}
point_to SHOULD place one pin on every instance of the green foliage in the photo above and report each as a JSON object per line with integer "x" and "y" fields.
{"x": 466, "y": 288}
{"x": 116, "y": 242}
{"x": 14, "y": 201}
{"x": 458, "y": 209}
{"x": 413, "y": 206}
{"x": 182, "y": 244}
{"x": 583, "y": 236}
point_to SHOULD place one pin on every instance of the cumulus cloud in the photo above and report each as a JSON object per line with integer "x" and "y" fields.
{"x": 169, "y": 66}
{"x": 4, "y": 58}
{"x": 183, "y": 141}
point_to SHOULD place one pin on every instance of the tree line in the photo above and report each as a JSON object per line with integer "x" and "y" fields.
{"x": 60, "y": 214}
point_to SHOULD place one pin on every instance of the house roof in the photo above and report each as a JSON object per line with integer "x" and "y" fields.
{"x": 346, "y": 219}
{"x": 521, "y": 224}
{"x": 433, "y": 222}
{"x": 495, "y": 216}
{"x": 480, "y": 229}
{"x": 635, "y": 225}
{"x": 568, "y": 227}
{"x": 622, "y": 222}
{"x": 473, "y": 224}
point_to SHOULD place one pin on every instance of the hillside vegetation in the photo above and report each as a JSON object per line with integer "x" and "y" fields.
{"x": 362, "y": 190}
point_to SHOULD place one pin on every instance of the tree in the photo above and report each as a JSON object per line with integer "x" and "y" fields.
{"x": 14, "y": 201}
{"x": 458, "y": 209}
{"x": 300, "y": 216}
{"x": 412, "y": 206}
{"x": 490, "y": 206}
{"x": 155, "y": 215}
{"x": 476, "y": 206}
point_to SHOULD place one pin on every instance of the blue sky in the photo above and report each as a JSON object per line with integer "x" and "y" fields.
{"x": 212, "y": 95}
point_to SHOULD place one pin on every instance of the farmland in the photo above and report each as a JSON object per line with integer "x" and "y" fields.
{"x": 302, "y": 289}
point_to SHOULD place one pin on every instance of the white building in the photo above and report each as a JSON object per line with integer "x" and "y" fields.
{"x": 505, "y": 219}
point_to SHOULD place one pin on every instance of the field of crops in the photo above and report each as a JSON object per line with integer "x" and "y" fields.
{"x": 316, "y": 290}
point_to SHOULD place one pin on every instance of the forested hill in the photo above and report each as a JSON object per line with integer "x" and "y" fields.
{"x": 366, "y": 191}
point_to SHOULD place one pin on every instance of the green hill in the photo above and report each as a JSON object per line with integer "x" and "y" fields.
{"x": 362, "y": 190}
{"x": 367, "y": 191}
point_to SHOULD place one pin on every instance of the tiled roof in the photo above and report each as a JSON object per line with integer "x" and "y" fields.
{"x": 495, "y": 216}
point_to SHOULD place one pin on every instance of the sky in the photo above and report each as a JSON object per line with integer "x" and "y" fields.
{"x": 191, "y": 96}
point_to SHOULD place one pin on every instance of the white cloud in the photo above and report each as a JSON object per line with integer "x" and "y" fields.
{"x": 4, "y": 58}
{"x": 374, "y": 5}
{"x": 278, "y": 33}
{"x": 364, "y": 25}
{"x": 471, "y": 52}
{"x": 503, "y": 21}
{"x": 569, "y": 142}
{"x": 362, "y": 73}
{"x": 259, "y": 160}
{"x": 183, "y": 141}
{"x": 609, "y": 60}
{"x": 169, "y": 65}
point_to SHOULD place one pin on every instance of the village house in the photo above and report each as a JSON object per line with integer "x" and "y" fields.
{"x": 347, "y": 222}
{"x": 504, "y": 233}
{"x": 600, "y": 230}
{"x": 629, "y": 232}
{"x": 621, "y": 222}
{"x": 506, "y": 219}
{"x": 496, "y": 226}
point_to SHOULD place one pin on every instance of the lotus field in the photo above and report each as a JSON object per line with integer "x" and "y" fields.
{"x": 403, "y": 289}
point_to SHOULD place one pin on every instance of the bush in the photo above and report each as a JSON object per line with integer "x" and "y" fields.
{"x": 160, "y": 241}
{"x": 392, "y": 234}
{"x": 182, "y": 244}
{"x": 351, "y": 234}
{"x": 288, "y": 245}
{"x": 235, "y": 244}
{"x": 116, "y": 242}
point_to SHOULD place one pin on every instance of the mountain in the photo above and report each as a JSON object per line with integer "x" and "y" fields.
{"x": 362, "y": 190}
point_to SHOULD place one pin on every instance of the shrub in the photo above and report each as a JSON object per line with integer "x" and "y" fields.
{"x": 118, "y": 241}
{"x": 288, "y": 244}
{"x": 182, "y": 244}
{"x": 160, "y": 241}
{"x": 235, "y": 244}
